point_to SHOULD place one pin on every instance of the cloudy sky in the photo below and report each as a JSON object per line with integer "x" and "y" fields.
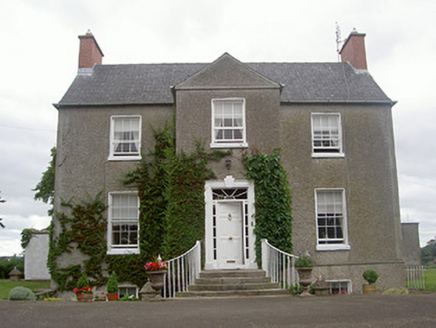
{"x": 39, "y": 54}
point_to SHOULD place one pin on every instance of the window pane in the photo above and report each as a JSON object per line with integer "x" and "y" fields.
{"x": 124, "y": 235}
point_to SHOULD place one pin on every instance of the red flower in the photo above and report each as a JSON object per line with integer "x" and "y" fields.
{"x": 156, "y": 266}
{"x": 75, "y": 290}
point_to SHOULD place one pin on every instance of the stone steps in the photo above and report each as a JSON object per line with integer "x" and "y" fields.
{"x": 232, "y": 283}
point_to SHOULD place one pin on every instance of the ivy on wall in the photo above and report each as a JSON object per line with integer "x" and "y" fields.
{"x": 171, "y": 217}
{"x": 84, "y": 229}
{"x": 171, "y": 189}
{"x": 273, "y": 201}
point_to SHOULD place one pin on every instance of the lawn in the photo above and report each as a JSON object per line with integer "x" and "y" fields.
{"x": 7, "y": 285}
{"x": 430, "y": 279}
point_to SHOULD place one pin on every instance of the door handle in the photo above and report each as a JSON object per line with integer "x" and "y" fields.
{"x": 230, "y": 238}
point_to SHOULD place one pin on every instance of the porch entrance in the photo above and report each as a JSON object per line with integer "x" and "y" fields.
{"x": 229, "y": 224}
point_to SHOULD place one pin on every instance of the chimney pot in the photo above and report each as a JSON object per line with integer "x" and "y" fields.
{"x": 353, "y": 50}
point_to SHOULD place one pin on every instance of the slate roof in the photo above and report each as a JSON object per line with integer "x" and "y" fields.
{"x": 151, "y": 83}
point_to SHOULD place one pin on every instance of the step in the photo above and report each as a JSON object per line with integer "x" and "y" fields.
{"x": 232, "y": 273}
{"x": 232, "y": 280}
{"x": 233, "y": 293}
{"x": 232, "y": 283}
{"x": 225, "y": 287}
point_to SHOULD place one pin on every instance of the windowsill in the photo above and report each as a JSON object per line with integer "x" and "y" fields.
{"x": 229, "y": 145}
{"x": 124, "y": 158}
{"x": 122, "y": 251}
{"x": 328, "y": 155}
{"x": 327, "y": 248}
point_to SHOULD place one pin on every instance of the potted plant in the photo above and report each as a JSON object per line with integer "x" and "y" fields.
{"x": 371, "y": 277}
{"x": 82, "y": 290}
{"x": 156, "y": 273}
{"x": 100, "y": 297}
{"x": 112, "y": 287}
{"x": 304, "y": 265}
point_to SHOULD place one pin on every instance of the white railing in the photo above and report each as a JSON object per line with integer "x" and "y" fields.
{"x": 415, "y": 277}
{"x": 182, "y": 271}
{"x": 278, "y": 265}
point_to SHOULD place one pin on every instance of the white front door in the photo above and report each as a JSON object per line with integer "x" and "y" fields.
{"x": 229, "y": 235}
{"x": 229, "y": 224}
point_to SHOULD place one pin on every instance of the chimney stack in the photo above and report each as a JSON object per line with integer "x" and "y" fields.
{"x": 353, "y": 50}
{"x": 89, "y": 53}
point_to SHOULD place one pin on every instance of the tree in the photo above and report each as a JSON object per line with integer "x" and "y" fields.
{"x": 45, "y": 188}
{"x": 1, "y": 224}
{"x": 428, "y": 254}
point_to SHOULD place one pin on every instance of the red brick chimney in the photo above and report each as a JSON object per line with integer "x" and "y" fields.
{"x": 89, "y": 53}
{"x": 353, "y": 50}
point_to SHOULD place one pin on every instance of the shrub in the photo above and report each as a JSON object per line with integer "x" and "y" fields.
{"x": 370, "y": 276}
{"x": 82, "y": 282}
{"x": 112, "y": 283}
{"x": 304, "y": 261}
{"x": 21, "y": 294}
{"x": 296, "y": 289}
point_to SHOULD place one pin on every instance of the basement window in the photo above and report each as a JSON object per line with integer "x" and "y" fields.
{"x": 340, "y": 287}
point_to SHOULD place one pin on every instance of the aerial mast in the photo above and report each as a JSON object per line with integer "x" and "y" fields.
{"x": 338, "y": 40}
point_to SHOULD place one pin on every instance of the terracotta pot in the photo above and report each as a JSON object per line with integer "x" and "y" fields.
{"x": 85, "y": 297}
{"x": 369, "y": 289}
{"x": 111, "y": 296}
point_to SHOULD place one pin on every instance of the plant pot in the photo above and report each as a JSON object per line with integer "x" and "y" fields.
{"x": 305, "y": 279}
{"x": 85, "y": 297}
{"x": 157, "y": 282}
{"x": 111, "y": 296}
{"x": 369, "y": 289}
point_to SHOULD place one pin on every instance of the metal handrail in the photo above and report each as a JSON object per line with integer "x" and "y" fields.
{"x": 182, "y": 271}
{"x": 278, "y": 265}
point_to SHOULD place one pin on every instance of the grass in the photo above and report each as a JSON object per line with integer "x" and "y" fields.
{"x": 7, "y": 285}
{"x": 430, "y": 279}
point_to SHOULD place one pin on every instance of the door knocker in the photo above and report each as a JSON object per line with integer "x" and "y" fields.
{"x": 229, "y": 217}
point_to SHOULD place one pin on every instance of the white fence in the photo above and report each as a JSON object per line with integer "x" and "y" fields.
{"x": 415, "y": 277}
{"x": 278, "y": 265}
{"x": 182, "y": 271}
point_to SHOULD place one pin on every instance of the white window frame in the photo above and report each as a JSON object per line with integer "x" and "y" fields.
{"x": 341, "y": 281}
{"x": 113, "y": 155}
{"x": 123, "y": 285}
{"x": 332, "y": 247}
{"x": 218, "y": 143}
{"x": 318, "y": 151}
{"x": 121, "y": 249}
